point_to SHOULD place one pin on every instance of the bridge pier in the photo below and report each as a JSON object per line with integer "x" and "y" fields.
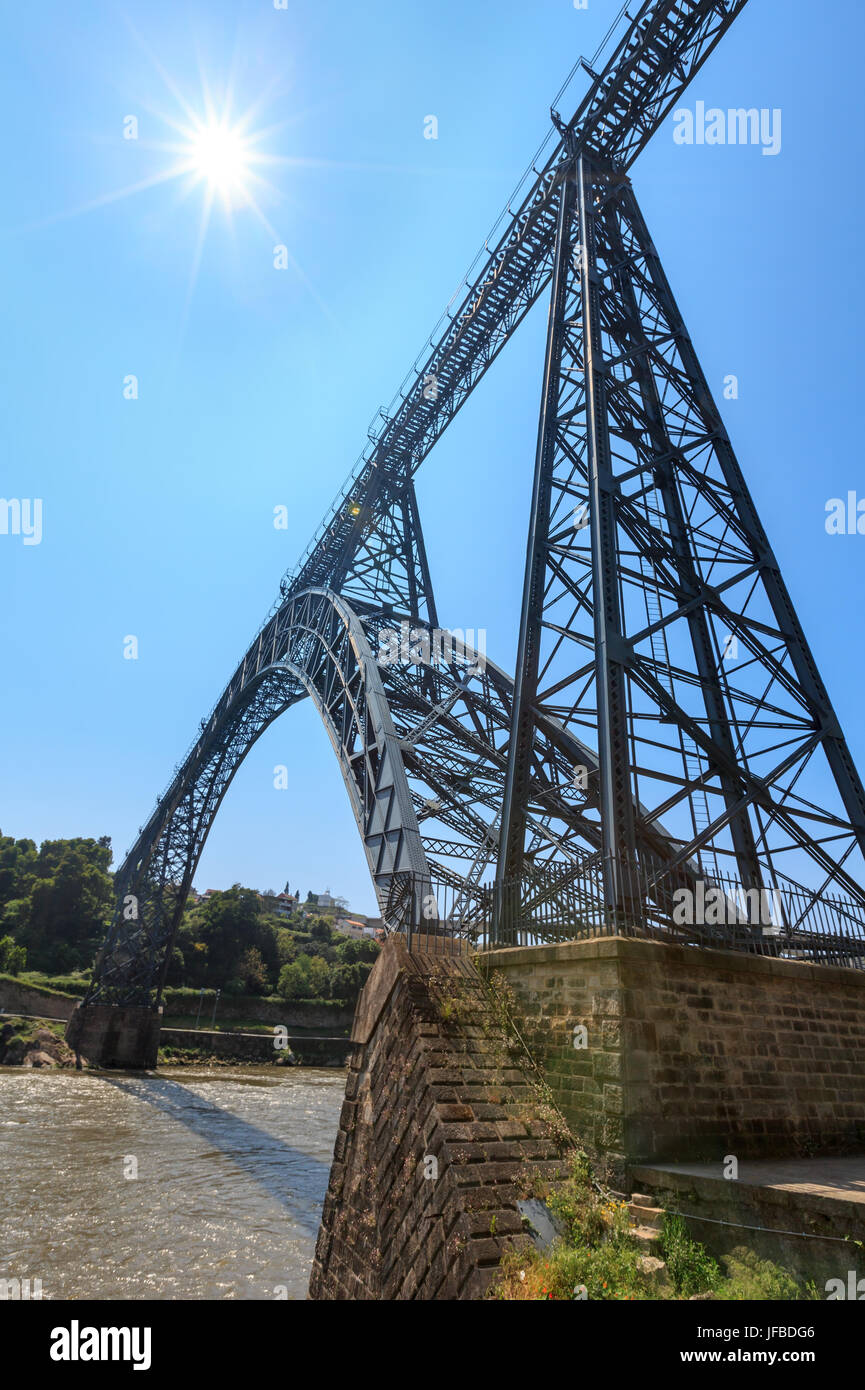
{"x": 110, "y": 1035}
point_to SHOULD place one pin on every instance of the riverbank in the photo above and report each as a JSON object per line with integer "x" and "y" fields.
{"x": 273, "y": 1047}
{"x": 34, "y": 1042}
{"x": 26, "y": 1041}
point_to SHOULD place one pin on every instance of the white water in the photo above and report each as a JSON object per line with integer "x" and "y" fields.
{"x": 232, "y": 1171}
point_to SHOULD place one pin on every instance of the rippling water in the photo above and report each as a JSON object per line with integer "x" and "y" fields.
{"x": 232, "y": 1172}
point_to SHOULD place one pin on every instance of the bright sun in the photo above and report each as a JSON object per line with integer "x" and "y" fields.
{"x": 220, "y": 155}
{"x": 217, "y": 151}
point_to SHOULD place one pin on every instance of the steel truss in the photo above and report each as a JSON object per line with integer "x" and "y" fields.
{"x": 422, "y": 751}
{"x": 654, "y": 613}
{"x": 628, "y": 749}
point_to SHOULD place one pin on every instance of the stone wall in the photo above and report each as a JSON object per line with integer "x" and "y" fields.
{"x": 692, "y": 1053}
{"x": 294, "y": 1014}
{"x": 442, "y": 1133}
{"x": 310, "y": 1051}
{"x": 19, "y": 998}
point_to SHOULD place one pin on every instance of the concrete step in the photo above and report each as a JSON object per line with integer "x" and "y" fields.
{"x": 649, "y": 1238}
{"x": 646, "y": 1215}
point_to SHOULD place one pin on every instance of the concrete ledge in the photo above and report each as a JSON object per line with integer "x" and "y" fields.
{"x": 802, "y": 1213}
{"x": 638, "y": 948}
{"x": 257, "y": 1047}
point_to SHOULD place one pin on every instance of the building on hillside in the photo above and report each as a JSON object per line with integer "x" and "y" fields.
{"x": 361, "y": 931}
{"x": 347, "y": 926}
{"x": 286, "y": 903}
{"x": 325, "y": 902}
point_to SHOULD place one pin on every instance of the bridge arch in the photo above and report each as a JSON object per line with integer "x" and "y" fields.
{"x": 318, "y": 649}
{"x": 423, "y": 754}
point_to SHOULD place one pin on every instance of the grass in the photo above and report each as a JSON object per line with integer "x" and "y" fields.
{"x": 597, "y": 1257}
{"x": 49, "y": 984}
{"x": 691, "y": 1269}
{"x": 27, "y": 1028}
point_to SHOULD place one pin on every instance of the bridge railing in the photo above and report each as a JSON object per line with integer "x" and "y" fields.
{"x": 685, "y": 906}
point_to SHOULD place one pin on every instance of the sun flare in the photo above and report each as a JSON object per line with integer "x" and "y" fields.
{"x": 221, "y": 157}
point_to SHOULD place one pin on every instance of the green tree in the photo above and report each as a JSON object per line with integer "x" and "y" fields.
{"x": 352, "y": 949}
{"x": 228, "y": 926}
{"x": 65, "y": 896}
{"x": 319, "y": 978}
{"x": 343, "y": 982}
{"x": 12, "y": 958}
{"x": 286, "y": 946}
{"x": 252, "y": 972}
{"x": 17, "y": 860}
{"x": 294, "y": 979}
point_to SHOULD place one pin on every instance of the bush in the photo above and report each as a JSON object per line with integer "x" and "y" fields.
{"x": 13, "y": 958}
{"x": 749, "y": 1278}
{"x": 293, "y": 980}
{"x": 597, "y": 1250}
{"x": 691, "y": 1269}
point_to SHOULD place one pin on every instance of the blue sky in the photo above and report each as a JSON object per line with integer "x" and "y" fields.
{"x": 256, "y": 386}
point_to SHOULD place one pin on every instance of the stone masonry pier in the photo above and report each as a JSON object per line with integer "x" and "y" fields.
{"x": 442, "y": 1133}
{"x": 693, "y": 1054}
{"x": 654, "y": 1054}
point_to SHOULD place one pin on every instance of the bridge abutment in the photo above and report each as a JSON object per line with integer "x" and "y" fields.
{"x": 113, "y": 1036}
{"x": 654, "y": 1053}
{"x": 657, "y": 1052}
{"x": 443, "y": 1133}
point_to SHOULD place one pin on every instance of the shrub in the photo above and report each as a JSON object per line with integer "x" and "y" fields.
{"x": 13, "y": 958}
{"x": 691, "y": 1269}
{"x": 749, "y": 1278}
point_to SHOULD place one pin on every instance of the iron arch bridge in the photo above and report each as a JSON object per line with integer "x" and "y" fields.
{"x": 422, "y": 747}
{"x": 667, "y": 727}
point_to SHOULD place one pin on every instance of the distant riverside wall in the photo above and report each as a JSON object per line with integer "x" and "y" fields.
{"x": 297, "y": 1015}
{"x": 254, "y": 1008}
{"x": 257, "y": 1047}
{"x": 18, "y": 998}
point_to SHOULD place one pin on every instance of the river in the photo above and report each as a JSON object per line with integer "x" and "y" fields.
{"x": 232, "y": 1167}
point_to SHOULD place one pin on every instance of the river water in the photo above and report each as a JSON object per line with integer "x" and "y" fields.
{"x": 232, "y": 1168}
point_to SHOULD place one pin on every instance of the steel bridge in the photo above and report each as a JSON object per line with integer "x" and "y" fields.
{"x": 667, "y": 727}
